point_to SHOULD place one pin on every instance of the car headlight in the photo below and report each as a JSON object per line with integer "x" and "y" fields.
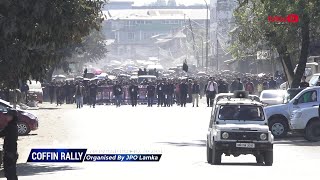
{"x": 263, "y": 136}
{"x": 225, "y": 135}
{"x": 297, "y": 115}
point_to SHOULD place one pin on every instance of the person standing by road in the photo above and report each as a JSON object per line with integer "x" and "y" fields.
{"x": 93, "y": 88}
{"x": 118, "y": 92}
{"x": 150, "y": 94}
{"x": 195, "y": 93}
{"x": 10, "y": 134}
{"x": 133, "y": 91}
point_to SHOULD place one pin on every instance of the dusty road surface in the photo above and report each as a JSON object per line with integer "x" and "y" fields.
{"x": 178, "y": 133}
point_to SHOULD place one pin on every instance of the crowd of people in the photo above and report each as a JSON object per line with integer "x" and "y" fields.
{"x": 164, "y": 91}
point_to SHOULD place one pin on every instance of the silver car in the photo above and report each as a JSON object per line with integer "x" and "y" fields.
{"x": 273, "y": 97}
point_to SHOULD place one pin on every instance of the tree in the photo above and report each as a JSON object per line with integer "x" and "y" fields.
{"x": 290, "y": 40}
{"x": 92, "y": 48}
{"x": 37, "y": 35}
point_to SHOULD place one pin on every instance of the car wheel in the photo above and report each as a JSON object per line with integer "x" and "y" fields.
{"x": 215, "y": 157}
{"x": 313, "y": 131}
{"x": 23, "y": 128}
{"x": 268, "y": 158}
{"x": 278, "y": 127}
{"x": 209, "y": 154}
{"x": 259, "y": 159}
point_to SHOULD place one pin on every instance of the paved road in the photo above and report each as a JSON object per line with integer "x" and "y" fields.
{"x": 179, "y": 133}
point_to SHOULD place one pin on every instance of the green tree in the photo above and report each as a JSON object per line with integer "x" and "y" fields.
{"x": 37, "y": 34}
{"x": 290, "y": 40}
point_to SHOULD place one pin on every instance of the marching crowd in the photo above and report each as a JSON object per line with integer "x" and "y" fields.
{"x": 164, "y": 91}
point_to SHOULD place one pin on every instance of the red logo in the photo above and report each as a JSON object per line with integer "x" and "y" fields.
{"x": 291, "y": 18}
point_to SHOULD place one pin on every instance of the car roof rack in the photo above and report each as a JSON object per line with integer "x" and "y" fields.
{"x": 236, "y": 94}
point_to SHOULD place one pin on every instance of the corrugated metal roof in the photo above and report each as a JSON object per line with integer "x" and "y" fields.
{"x": 156, "y": 14}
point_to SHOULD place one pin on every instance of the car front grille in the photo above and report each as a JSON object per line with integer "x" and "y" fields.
{"x": 244, "y": 136}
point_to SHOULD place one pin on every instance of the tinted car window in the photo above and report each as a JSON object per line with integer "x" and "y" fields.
{"x": 310, "y": 96}
{"x": 241, "y": 112}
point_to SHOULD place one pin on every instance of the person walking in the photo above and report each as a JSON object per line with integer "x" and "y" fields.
{"x": 133, "y": 91}
{"x": 150, "y": 94}
{"x": 160, "y": 93}
{"x": 183, "y": 93}
{"x": 10, "y": 134}
{"x": 51, "y": 91}
{"x": 195, "y": 93}
{"x": 118, "y": 92}
{"x": 79, "y": 95}
{"x": 93, "y": 88}
{"x": 249, "y": 87}
{"x": 237, "y": 85}
{"x": 211, "y": 91}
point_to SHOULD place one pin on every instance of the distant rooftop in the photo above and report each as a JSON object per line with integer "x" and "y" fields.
{"x": 156, "y": 14}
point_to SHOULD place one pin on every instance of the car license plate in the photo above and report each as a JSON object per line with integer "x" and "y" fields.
{"x": 245, "y": 145}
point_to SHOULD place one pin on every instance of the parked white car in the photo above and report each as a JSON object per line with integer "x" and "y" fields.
{"x": 273, "y": 97}
{"x": 279, "y": 115}
{"x": 306, "y": 120}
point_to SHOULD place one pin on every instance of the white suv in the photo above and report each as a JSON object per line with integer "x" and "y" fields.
{"x": 306, "y": 120}
{"x": 238, "y": 126}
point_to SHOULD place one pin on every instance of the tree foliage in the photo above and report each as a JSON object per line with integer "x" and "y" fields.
{"x": 290, "y": 40}
{"x": 37, "y": 34}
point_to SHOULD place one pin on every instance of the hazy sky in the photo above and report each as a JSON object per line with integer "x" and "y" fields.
{"x": 186, "y": 2}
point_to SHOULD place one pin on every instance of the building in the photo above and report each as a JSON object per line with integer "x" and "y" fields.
{"x": 221, "y": 23}
{"x": 125, "y": 4}
{"x": 141, "y": 33}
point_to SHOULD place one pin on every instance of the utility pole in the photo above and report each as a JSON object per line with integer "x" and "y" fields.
{"x": 217, "y": 54}
{"x": 194, "y": 44}
{"x": 207, "y": 36}
{"x": 202, "y": 52}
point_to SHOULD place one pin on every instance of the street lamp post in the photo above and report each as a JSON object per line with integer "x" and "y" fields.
{"x": 207, "y": 36}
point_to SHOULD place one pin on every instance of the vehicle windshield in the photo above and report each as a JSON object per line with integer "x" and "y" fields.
{"x": 241, "y": 112}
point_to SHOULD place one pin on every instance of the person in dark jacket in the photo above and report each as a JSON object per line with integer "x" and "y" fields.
{"x": 150, "y": 94}
{"x": 183, "y": 93}
{"x": 93, "y": 89}
{"x": 223, "y": 86}
{"x": 304, "y": 83}
{"x": 10, "y": 134}
{"x": 170, "y": 91}
{"x": 195, "y": 93}
{"x": 51, "y": 91}
{"x": 160, "y": 93}
{"x": 272, "y": 83}
{"x": 133, "y": 91}
{"x": 117, "y": 91}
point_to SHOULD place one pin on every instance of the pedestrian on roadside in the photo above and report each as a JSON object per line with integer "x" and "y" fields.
{"x": 160, "y": 93}
{"x": 195, "y": 93}
{"x": 51, "y": 91}
{"x": 10, "y": 134}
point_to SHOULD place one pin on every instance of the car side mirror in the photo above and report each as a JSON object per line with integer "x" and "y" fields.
{"x": 295, "y": 102}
